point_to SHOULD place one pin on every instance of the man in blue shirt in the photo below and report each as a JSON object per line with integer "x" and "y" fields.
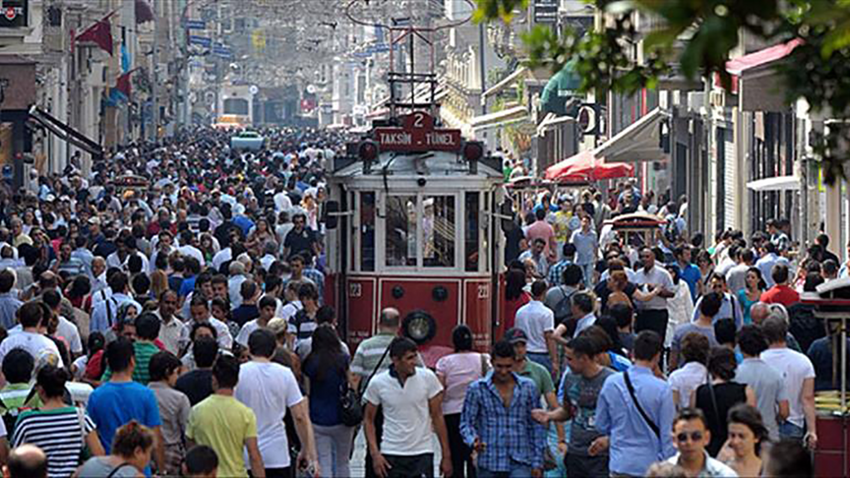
{"x": 117, "y": 402}
{"x": 9, "y": 303}
{"x": 688, "y": 272}
{"x": 496, "y": 421}
{"x": 636, "y": 411}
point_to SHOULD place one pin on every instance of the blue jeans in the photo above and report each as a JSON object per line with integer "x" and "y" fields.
{"x": 518, "y": 470}
{"x": 789, "y": 430}
{"x": 540, "y": 358}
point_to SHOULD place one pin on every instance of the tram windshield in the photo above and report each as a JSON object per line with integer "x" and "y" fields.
{"x": 401, "y": 231}
{"x": 438, "y": 231}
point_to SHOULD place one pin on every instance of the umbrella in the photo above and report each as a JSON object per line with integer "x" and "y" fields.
{"x": 585, "y": 167}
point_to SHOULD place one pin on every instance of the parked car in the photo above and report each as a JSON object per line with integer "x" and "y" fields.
{"x": 247, "y": 140}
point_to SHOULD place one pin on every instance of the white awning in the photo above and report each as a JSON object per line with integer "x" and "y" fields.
{"x": 516, "y": 112}
{"x": 640, "y": 141}
{"x": 779, "y": 183}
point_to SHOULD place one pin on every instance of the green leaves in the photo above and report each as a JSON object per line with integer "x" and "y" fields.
{"x": 487, "y": 10}
{"x": 698, "y": 36}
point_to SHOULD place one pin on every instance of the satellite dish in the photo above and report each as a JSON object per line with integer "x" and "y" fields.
{"x": 311, "y": 89}
{"x": 210, "y": 97}
{"x": 253, "y": 89}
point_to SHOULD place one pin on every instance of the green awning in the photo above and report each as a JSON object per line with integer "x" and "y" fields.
{"x": 560, "y": 88}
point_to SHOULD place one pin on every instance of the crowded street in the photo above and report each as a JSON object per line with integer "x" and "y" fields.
{"x": 288, "y": 238}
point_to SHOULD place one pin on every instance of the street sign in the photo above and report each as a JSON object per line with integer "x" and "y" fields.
{"x": 13, "y": 13}
{"x": 418, "y": 134}
{"x": 546, "y": 11}
{"x": 195, "y": 25}
{"x": 222, "y": 51}
{"x": 200, "y": 41}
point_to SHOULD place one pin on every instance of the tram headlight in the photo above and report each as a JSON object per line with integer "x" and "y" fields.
{"x": 419, "y": 326}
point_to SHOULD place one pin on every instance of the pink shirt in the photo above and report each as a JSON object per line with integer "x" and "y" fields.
{"x": 543, "y": 230}
{"x": 459, "y": 370}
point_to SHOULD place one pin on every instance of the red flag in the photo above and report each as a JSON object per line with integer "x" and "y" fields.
{"x": 143, "y": 12}
{"x": 99, "y": 33}
{"x": 123, "y": 84}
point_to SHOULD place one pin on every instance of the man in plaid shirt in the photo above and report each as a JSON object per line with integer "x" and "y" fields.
{"x": 496, "y": 421}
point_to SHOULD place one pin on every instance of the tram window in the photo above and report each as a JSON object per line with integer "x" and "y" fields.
{"x": 472, "y": 231}
{"x": 367, "y": 232}
{"x": 438, "y": 231}
{"x": 401, "y": 243}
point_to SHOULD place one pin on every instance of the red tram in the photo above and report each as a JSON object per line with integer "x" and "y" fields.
{"x": 413, "y": 225}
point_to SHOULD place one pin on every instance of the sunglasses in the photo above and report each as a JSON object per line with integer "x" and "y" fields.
{"x": 683, "y": 437}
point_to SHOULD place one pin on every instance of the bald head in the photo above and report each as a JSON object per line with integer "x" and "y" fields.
{"x": 759, "y": 311}
{"x": 390, "y": 319}
{"x": 27, "y": 461}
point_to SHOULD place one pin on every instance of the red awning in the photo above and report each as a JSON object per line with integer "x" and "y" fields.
{"x": 584, "y": 167}
{"x": 739, "y": 65}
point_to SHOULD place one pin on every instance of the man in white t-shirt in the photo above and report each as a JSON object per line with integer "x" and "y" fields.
{"x": 538, "y": 323}
{"x": 269, "y": 389}
{"x": 32, "y": 337}
{"x": 267, "y": 308}
{"x": 798, "y": 375}
{"x": 411, "y": 399}
{"x": 652, "y": 314}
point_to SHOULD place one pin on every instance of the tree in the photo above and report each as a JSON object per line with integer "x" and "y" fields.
{"x": 698, "y": 36}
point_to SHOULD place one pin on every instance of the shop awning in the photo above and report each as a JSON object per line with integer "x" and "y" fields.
{"x": 756, "y": 81}
{"x": 585, "y": 166}
{"x": 65, "y": 132}
{"x": 489, "y": 120}
{"x": 560, "y": 88}
{"x": 640, "y": 141}
{"x": 779, "y": 183}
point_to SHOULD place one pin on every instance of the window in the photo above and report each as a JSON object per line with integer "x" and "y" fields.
{"x": 438, "y": 231}
{"x": 236, "y": 106}
{"x": 472, "y": 232}
{"x": 367, "y": 231}
{"x": 401, "y": 231}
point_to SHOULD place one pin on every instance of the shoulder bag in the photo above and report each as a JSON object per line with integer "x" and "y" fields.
{"x": 643, "y": 413}
{"x": 350, "y": 403}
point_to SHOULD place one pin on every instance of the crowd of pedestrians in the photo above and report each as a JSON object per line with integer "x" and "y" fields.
{"x": 165, "y": 314}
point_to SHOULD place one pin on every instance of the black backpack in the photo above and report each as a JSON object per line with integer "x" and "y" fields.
{"x": 563, "y": 308}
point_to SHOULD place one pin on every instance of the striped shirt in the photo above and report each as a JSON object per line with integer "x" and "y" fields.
{"x": 369, "y": 353}
{"x": 143, "y": 352}
{"x": 58, "y": 432}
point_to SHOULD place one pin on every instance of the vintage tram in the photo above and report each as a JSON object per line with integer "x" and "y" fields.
{"x": 413, "y": 224}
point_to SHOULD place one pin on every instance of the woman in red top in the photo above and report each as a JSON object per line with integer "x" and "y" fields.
{"x": 515, "y": 296}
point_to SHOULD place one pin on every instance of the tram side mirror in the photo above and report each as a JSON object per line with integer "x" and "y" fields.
{"x": 506, "y": 210}
{"x": 331, "y": 218}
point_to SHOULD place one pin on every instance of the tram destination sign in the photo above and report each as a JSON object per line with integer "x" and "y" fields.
{"x": 418, "y": 133}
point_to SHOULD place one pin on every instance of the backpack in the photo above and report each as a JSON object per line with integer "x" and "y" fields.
{"x": 563, "y": 309}
{"x": 11, "y": 414}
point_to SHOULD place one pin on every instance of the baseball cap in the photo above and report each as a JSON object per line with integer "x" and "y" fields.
{"x": 515, "y": 335}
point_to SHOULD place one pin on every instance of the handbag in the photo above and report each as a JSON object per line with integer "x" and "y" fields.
{"x": 350, "y": 408}
{"x": 350, "y": 403}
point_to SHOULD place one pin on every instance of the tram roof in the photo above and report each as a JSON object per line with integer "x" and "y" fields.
{"x": 431, "y": 165}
